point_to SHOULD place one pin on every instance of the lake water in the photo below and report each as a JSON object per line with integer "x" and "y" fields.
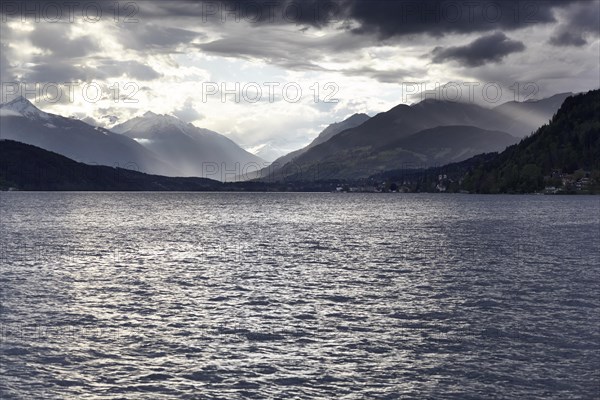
{"x": 289, "y": 296}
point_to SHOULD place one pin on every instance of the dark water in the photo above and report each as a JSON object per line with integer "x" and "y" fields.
{"x": 289, "y": 296}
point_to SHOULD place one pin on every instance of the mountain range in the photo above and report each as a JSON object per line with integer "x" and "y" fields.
{"x": 31, "y": 168}
{"x": 428, "y": 133}
{"x": 20, "y": 120}
{"x": 565, "y": 154}
{"x": 152, "y": 143}
{"x": 431, "y": 132}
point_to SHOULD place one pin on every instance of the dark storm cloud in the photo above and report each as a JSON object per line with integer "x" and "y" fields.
{"x": 582, "y": 21}
{"x": 382, "y": 20}
{"x": 486, "y": 49}
{"x": 386, "y": 18}
{"x": 441, "y": 17}
{"x": 260, "y": 12}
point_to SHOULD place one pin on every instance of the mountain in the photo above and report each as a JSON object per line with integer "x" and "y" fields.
{"x": 561, "y": 154}
{"x": 26, "y": 167}
{"x": 377, "y": 144}
{"x": 20, "y": 120}
{"x": 329, "y": 132}
{"x": 429, "y": 147}
{"x": 193, "y": 151}
{"x": 337, "y": 127}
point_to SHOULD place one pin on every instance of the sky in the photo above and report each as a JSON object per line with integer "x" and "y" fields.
{"x": 271, "y": 74}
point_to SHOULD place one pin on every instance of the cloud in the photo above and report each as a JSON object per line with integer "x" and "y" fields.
{"x": 63, "y": 71}
{"x": 132, "y": 69}
{"x": 439, "y": 18}
{"x": 385, "y": 18}
{"x": 318, "y": 53}
{"x": 187, "y": 112}
{"x": 383, "y": 76}
{"x": 487, "y": 49}
{"x": 5, "y": 74}
{"x": 579, "y": 23}
{"x": 56, "y": 39}
{"x": 317, "y": 13}
{"x": 156, "y": 38}
{"x": 282, "y": 45}
{"x": 566, "y": 38}
{"x": 58, "y": 72}
{"x": 91, "y": 121}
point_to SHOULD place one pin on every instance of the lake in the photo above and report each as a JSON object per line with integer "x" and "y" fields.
{"x": 293, "y": 295}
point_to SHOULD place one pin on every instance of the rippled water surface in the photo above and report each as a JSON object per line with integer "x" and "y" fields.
{"x": 289, "y": 296}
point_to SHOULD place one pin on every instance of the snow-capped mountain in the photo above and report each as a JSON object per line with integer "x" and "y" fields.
{"x": 20, "y": 120}
{"x": 21, "y": 107}
{"x": 149, "y": 124}
{"x": 193, "y": 151}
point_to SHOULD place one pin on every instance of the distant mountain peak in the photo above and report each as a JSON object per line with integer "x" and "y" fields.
{"x": 357, "y": 116}
{"x": 18, "y": 100}
{"x": 163, "y": 118}
{"x": 152, "y": 122}
{"x": 20, "y": 106}
{"x": 430, "y": 101}
{"x": 186, "y": 146}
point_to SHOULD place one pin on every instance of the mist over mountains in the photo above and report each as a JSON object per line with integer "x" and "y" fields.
{"x": 191, "y": 150}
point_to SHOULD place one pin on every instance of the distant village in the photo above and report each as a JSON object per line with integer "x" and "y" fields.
{"x": 579, "y": 182}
